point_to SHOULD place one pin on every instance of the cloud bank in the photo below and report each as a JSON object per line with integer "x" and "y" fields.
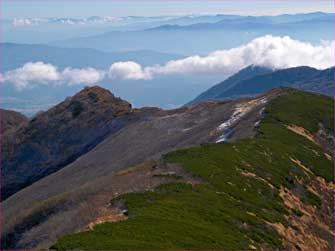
{"x": 268, "y": 51}
{"x": 87, "y": 76}
{"x": 32, "y": 74}
{"x": 128, "y": 70}
{"x": 39, "y": 73}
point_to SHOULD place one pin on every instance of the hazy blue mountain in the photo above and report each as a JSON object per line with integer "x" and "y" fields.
{"x": 43, "y": 30}
{"x": 255, "y": 80}
{"x": 258, "y": 22}
{"x": 218, "y": 90}
{"x": 204, "y": 37}
{"x": 194, "y": 41}
{"x": 16, "y": 55}
{"x": 177, "y": 89}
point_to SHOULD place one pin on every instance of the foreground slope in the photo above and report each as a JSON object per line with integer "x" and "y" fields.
{"x": 274, "y": 191}
{"x": 78, "y": 193}
{"x": 254, "y": 80}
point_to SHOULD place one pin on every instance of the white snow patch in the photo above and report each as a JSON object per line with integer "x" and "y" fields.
{"x": 239, "y": 111}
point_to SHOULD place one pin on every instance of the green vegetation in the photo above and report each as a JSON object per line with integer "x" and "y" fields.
{"x": 242, "y": 194}
{"x": 304, "y": 109}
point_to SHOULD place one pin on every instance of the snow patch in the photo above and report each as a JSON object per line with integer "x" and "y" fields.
{"x": 239, "y": 111}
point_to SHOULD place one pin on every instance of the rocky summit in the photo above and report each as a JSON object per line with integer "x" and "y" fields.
{"x": 54, "y": 138}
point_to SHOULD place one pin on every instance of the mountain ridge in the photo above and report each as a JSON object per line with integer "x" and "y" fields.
{"x": 144, "y": 135}
{"x": 129, "y": 159}
{"x": 86, "y": 192}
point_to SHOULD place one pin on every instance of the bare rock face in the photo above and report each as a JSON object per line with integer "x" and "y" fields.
{"x": 58, "y": 136}
{"x": 10, "y": 120}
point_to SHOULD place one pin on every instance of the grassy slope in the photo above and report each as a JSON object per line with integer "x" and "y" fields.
{"x": 214, "y": 215}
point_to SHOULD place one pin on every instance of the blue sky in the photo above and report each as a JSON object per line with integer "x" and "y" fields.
{"x": 80, "y": 8}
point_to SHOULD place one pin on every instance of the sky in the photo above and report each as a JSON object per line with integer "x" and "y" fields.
{"x": 84, "y": 8}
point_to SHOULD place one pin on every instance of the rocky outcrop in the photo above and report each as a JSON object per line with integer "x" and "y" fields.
{"x": 58, "y": 136}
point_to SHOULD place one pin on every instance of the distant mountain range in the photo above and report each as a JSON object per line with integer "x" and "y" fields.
{"x": 254, "y": 80}
{"x": 20, "y": 54}
{"x": 204, "y": 35}
{"x": 181, "y": 20}
{"x": 258, "y": 22}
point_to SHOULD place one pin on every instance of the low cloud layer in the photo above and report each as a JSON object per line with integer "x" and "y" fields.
{"x": 38, "y": 73}
{"x": 87, "y": 76}
{"x": 128, "y": 70}
{"x": 29, "y": 74}
{"x": 268, "y": 51}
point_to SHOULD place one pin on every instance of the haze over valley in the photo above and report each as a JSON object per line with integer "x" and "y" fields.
{"x": 138, "y": 58}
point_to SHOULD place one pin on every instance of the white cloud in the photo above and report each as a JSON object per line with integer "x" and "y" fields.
{"x": 268, "y": 51}
{"x": 38, "y": 73}
{"x": 128, "y": 70}
{"x": 31, "y": 74}
{"x": 86, "y": 76}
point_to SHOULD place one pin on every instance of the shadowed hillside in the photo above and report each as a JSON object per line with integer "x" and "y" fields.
{"x": 254, "y": 80}
{"x": 11, "y": 120}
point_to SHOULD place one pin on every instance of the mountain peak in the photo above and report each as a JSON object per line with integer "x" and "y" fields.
{"x": 77, "y": 125}
{"x": 93, "y": 93}
{"x": 95, "y": 100}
